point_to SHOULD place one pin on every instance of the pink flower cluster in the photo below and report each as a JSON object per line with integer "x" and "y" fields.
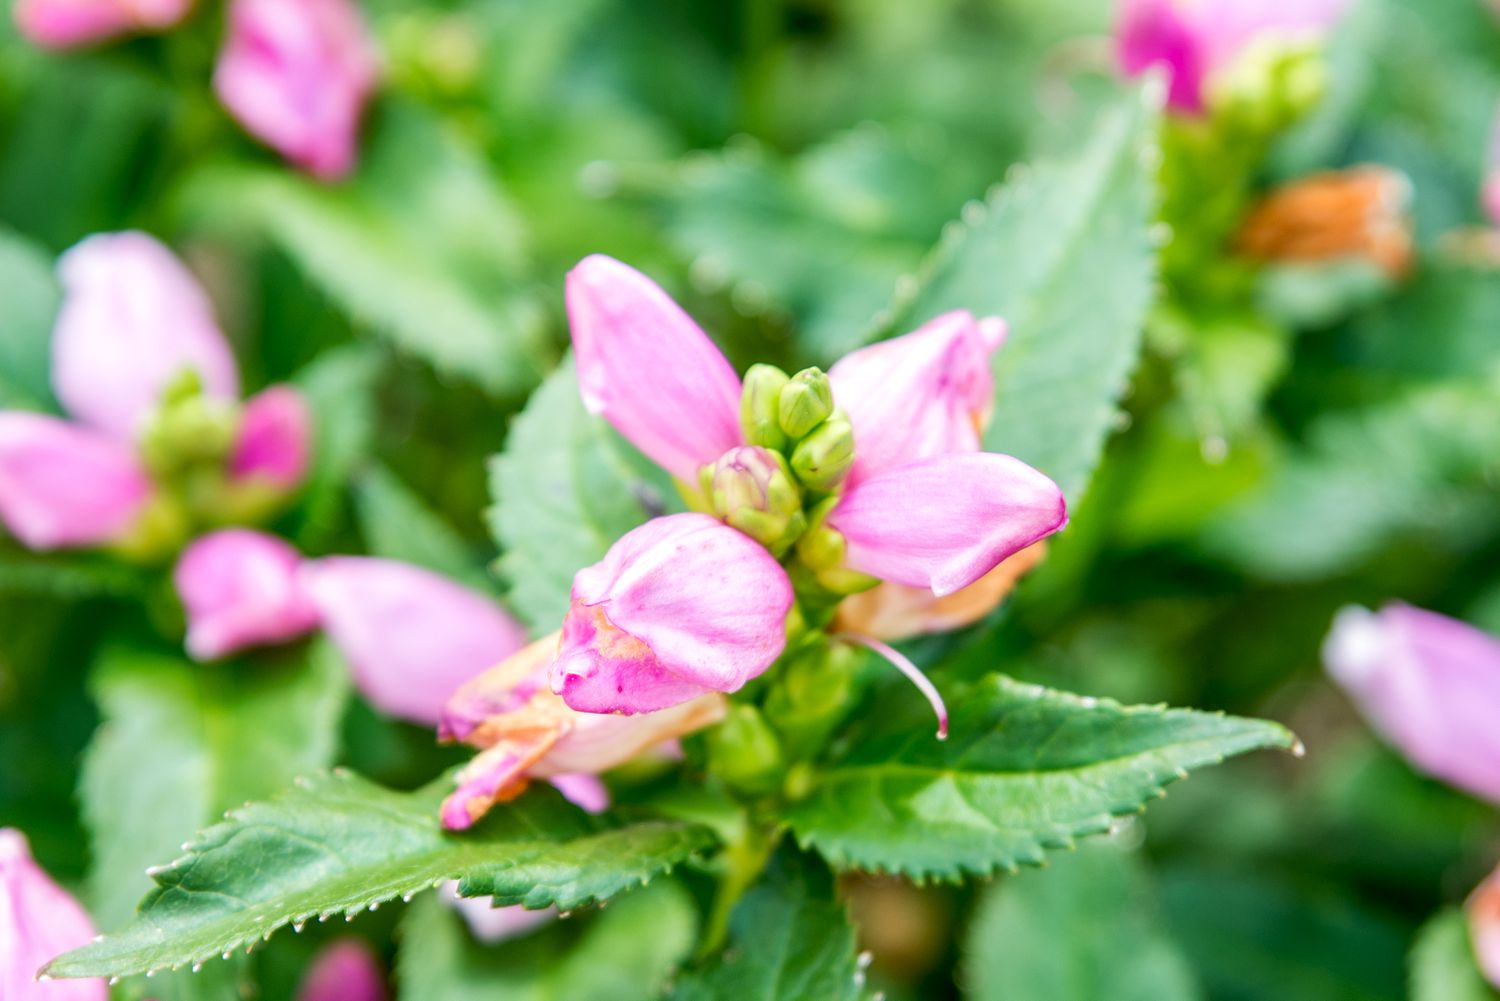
{"x": 295, "y": 73}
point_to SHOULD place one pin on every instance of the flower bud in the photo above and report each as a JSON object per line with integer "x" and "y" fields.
{"x": 805, "y": 402}
{"x": 297, "y": 74}
{"x": 760, "y": 407}
{"x": 812, "y": 694}
{"x": 189, "y": 432}
{"x": 39, "y": 921}
{"x": 345, "y": 970}
{"x": 1429, "y": 684}
{"x": 240, "y": 589}
{"x": 744, "y": 752}
{"x": 753, "y": 490}
{"x": 824, "y": 458}
{"x": 1483, "y": 911}
{"x": 679, "y": 606}
{"x": 274, "y": 439}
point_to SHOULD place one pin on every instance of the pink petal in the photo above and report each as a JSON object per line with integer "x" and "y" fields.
{"x": 297, "y": 74}
{"x": 490, "y": 924}
{"x": 345, "y": 970}
{"x": 39, "y": 921}
{"x": 133, "y": 319}
{"x": 924, "y": 394}
{"x": 411, "y": 637}
{"x": 1484, "y": 926}
{"x": 945, "y": 522}
{"x": 241, "y": 589}
{"x": 681, "y": 605}
{"x": 1429, "y": 684}
{"x": 648, "y": 369}
{"x": 584, "y": 790}
{"x": 64, "y": 485}
{"x": 274, "y": 438}
{"x": 1160, "y": 33}
{"x": 61, "y": 24}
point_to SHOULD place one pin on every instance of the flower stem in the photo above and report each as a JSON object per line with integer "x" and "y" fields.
{"x": 745, "y": 859}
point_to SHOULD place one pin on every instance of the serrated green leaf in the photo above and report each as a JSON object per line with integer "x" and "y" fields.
{"x": 606, "y": 956}
{"x": 566, "y": 487}
{"x": 421, "y": 244}
{"x": 1085, "y": 928}
{"x": 339, "y": 844}
{"x": 1063, "y": 253}
{"x": 29, "y": 298}
{"x": 182, "y": 742}
{"x": 1442, "y": 963}
{"x": 398, "y": 525}
{"x": 1026, "y": 769}
{"x": 790, "y": 940}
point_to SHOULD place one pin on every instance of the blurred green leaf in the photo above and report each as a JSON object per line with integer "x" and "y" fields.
{"x": 566, "y": 487}
{"x": 421, "y": 244}
{"x": 398, "y": 525}
{"x": 1063, "y": 253}
{"x": 1086, "y": 928}
{"x": 66, "y": 575}
{"x": 623, "y": 953}
{"x": 340, "y": 391}
{"x": 29, "y": 298}
{"x": 1026, "y": 769}
{"x": 340, "y": 844}
{"x": 1442, "y": 963}
{"x": 789, "y": 940}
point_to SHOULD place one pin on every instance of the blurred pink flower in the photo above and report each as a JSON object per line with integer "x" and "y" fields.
{"x": 345, "y": 970}
{"x": 648, "y": 369}
{"x": 679, "y": 606}
{"x": 1484, "y": 926}
{"x": 241, "y": 588}
{"x": 1491, "y": 193}
{"x": 133, "y": 319}
{"x": 63, "y": 24}
{"x": 1194, "y": 39}
{"x": 38, "y": 922}
{"x": 1429, "y": 684}
{"x": 411, "y": 636}
{"x": 297, "y": 74}
{"x": 524, "y": 731}
{"x": 65, "y": 485}
{"x": 274, "y": 440}
{"x": 926, "y": 393}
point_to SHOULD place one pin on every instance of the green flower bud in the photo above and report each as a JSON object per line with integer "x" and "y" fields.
{"x": 806, "y": 401}
{"x": 753, "y": 490}
{"x": 186, "y": 432}
{"x": 760, "y": 407}
{"x": 744, "y": 752}
{"x": 823, "y": 458}
{"x": 820, "y": 572}
{"x": 811, "y": 696}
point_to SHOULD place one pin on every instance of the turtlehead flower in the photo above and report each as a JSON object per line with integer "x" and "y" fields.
{"x": 1429, "y": 684}
{"x": 65, "y": 485}
{"x": 297, "y": 74}
{"x": 63, "y": 24}
{"x": 411, "y": 636}
{"x": 526, "y": 731}
{"x": 345, "y": 970}
{"x": 38, "y": 922}
{"x": 1194, "y": 40}
{"x": 680, "y": 606}
{"x": 241, "y": 588}
{"x": 927, "y": 393}
{"x": 1484, "y": 926}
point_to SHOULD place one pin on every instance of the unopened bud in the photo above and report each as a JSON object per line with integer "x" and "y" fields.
{"x": 753, "y": 490}
{"x": 188, "y": 430}
{"x": 811, "y": 696}
{"x": 1274, "y": 82}
{"x": 823, "y": 458}
{"x": 820, "y": 554}
{"x": 760, "y": 406}
{"x": 744, "y": 752}
{"x": 806, "y": 401}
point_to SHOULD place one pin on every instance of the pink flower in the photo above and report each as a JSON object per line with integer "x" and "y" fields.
{"x": 647, "y": 368}
{"x": 62, "y": 24}
{"x": 680, "y": 606}
{"x": 945, "y": 522}
{"x": 65, "y": 485}
{"x": 241, "y": 588}
{"x": 490, "y": 924}
{"x": 38, "y": 922}
{"x": 1491, "y": 194}
{"x": 923, "y": 394}
{"x": 297, "y": 74}
{"x": 1194, "y": 39}
{"x": 1484, "y": 926}
{"x": 524, "y": 731}
{"x": 1429, "y": 684}
{"x": 345, "y": 970}
{"x": 411, "y": 637}
{"x": 133, "y": 320}
{"x": 274, "y": 439}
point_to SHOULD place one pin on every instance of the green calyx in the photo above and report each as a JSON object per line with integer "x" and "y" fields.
{"x": 795, "y": 415}
{"x": 760, "y": 407}
{"x": 752, "y": 489}
{"x": 823, "y": 458}
{"x": 745, "y": 753}
{"x": 189, "y": 430}
{"x": 811, "y": 696}
{"x": 806, "y": 401}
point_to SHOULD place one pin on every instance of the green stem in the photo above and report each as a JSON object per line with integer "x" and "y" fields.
{"x": 745, "y": 859}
